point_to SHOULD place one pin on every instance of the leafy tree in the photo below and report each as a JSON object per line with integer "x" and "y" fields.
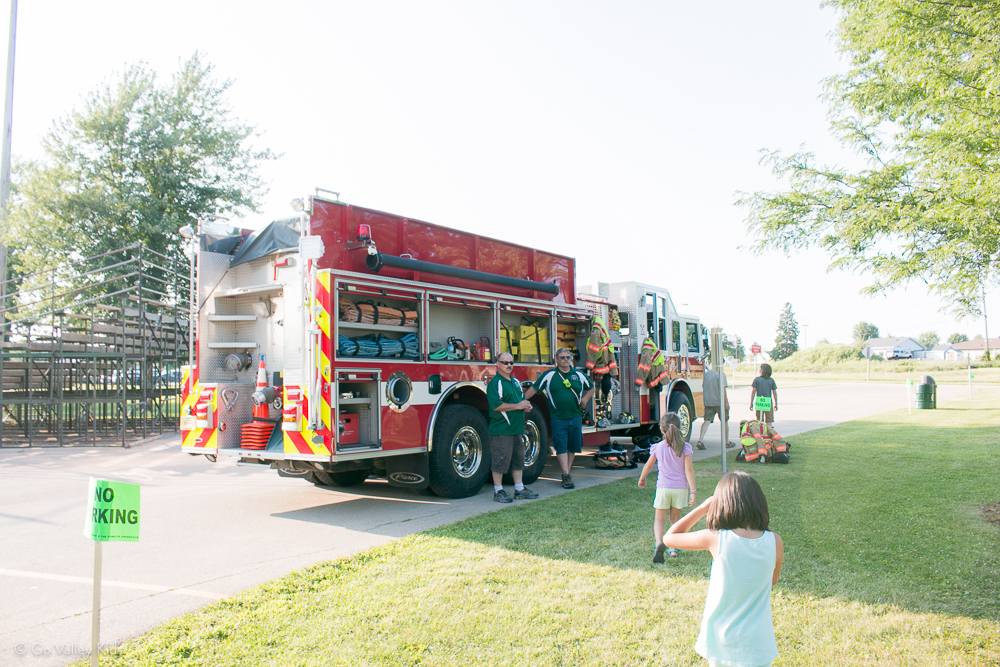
{"x": 863, "y": 331}
{"x": 929, "y": 339}
{"x": 140, "y": 160}
{"x": 786, "y": 342}
{"x": 957, "y": 338}
{"x": 977, "y": 337}
{"x": 737, "y": 351}
{"x": 919, "y": 102}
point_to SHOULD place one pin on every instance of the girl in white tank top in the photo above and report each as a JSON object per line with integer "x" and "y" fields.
{"x": 736, "y": 628}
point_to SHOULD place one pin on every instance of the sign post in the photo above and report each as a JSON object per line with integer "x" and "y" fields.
{"x": 755, "y": 350}
{"x": 970, "y": 378}
{"x": 717, "y": 362}
{"x": 867, "y": 351}
{"x": 112, "y": 515}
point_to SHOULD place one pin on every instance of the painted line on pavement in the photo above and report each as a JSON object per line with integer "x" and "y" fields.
{"x": 110, "y": 582}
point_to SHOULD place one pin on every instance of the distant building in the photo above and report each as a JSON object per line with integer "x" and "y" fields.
{"x": 944, "y": 351}
{"x": 974, "y": 349}
{"x": 885, "y": 346}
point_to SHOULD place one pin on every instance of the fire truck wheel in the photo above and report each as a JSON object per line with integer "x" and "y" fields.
{"x": 536, "y": 450}
{"x": 460, "y": 460}
{"x": 679, "y": 404}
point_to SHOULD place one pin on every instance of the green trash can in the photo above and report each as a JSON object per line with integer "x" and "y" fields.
{"x": 926, "y": 393}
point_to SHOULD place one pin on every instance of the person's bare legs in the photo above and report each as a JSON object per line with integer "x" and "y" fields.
{"x": 659, "y": 521}
{"x": 704, "y": 429}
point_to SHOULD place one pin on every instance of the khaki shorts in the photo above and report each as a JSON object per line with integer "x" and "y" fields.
{"x": 766, "y": 417}
{"x": 506, "y": 452}
{"x": 668, "y": 498}
{"x": 711, "y": 412}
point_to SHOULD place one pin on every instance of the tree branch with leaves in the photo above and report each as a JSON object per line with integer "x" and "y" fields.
{"x": 919, "y": 103}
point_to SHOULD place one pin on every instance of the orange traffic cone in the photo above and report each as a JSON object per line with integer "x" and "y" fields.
{"x": 261, "y": 411}
{"x": 256, "y": 434}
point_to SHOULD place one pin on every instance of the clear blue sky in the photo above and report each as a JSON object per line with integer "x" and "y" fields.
{"x": 617, "y": 133}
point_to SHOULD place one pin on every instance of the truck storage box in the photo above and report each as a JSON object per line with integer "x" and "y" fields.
{"x": 529, "y": 351}
{"x": 351, "y": 434}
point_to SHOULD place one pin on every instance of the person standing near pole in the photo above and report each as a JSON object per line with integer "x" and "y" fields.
{"x": 568, "y": 391}
{"x": 714, "y": 403}
{"x": 764, "y": 387}
{"x": 507, "y": 407}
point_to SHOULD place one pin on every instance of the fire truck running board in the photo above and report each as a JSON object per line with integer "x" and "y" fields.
{"x": 612, "y": 427}
{"x": 361, "y": 447}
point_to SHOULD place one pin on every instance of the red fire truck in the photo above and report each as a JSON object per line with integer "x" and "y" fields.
{"x": 344, "y": 343}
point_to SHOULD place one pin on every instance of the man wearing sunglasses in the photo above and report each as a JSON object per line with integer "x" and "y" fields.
{"x": 507, "y": 408}
{"x": 568, "y": 391}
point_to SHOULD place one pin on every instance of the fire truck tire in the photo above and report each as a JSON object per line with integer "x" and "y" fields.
{"x": 680, "y": 405}
{"x": 460, "y": 460}
{"x": 536, "y": 450}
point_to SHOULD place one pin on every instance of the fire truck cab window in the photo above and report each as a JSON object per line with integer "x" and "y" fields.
{"x": 459, "y": 331}
{"x": 675, "y": 331}
{"x": 526, "y": 335}
{"x": 692, "y": 337}
{"x": 376, "y": 326}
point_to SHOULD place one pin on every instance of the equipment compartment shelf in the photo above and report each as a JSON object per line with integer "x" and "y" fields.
{"x": 376, "y": 327}
{"x": 232, "y": 346}
{"x": 232, "y": 318}
{"x": 249, "y": 290}
{"x": 364, "y": 400}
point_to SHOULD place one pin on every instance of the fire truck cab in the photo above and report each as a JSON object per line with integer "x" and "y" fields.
{"x": 346, "y": 342}
{"x": 647, "y": 311}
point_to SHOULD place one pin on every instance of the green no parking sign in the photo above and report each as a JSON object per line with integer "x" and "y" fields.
{"x": 112, "y": 516}
{"x": 113, "y": 511}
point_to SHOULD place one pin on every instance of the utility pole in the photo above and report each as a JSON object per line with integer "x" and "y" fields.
{"x": 5, "y": 159}
{"x": 986, "y": 324}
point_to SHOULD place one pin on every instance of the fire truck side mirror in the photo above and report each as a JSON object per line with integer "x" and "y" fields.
{"x": 623, "y": 316}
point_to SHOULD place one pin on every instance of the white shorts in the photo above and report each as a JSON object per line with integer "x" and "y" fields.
{"x": 668, "y": 498}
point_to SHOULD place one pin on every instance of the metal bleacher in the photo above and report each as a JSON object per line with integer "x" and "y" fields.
{"x": 92, "y": 350}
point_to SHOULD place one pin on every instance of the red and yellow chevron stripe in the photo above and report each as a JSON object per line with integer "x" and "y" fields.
{"x": 202, "y": 439}
{"x": 306, "y": 441}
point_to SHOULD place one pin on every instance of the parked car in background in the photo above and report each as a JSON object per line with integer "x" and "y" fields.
{"x": 899, "y": 354}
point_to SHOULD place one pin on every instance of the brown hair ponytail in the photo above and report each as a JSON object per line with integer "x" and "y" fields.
{"x": 670, "y": 426}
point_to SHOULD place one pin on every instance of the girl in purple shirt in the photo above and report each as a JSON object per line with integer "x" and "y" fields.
{"x": 674, "y": 480}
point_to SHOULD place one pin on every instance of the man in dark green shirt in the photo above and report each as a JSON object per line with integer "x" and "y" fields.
{"x": 507, "y": 407}
{"x": 568, "y": 391}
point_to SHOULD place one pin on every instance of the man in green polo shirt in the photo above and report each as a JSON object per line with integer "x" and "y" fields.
{"x": 568, "y": 391}
{"x": 507, "y": 408}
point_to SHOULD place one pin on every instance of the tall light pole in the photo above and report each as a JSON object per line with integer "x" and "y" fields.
{"x": 5, "y": 158}
{"x": 986, "y": 324}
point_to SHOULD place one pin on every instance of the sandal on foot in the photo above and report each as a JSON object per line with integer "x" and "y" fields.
{"x": 658, "y": 552}
{"x": 673, "y": 552}
{"x": 701, "y": 445}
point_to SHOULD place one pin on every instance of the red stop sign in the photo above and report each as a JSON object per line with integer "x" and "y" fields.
{"x": 755, "y": 349}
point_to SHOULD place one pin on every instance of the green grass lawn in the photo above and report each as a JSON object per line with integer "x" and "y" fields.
{"x": 887, "y": 562}
{"x": 943, "y": 372}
